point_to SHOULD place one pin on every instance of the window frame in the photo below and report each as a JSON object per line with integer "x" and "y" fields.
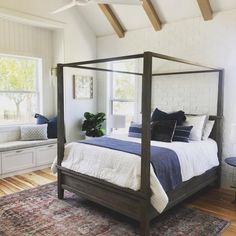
{"x": 111, "y": 98}
{"x": 38, "y": 85}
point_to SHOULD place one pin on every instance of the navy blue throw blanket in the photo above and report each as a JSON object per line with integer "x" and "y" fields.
{"x": 165, "y": 162}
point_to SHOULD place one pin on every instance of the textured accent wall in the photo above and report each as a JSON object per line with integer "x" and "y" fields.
{"x": 211, "y": 42}
{"x": 193, "y": 93}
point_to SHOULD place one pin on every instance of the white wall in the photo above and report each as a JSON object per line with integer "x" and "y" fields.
{"x": 74, "y": 43}
{"x": 211, "y": 42}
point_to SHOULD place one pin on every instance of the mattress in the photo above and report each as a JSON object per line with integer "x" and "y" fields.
{"x": 123, "y": 169}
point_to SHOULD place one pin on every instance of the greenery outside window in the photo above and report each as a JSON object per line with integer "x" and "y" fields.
{"x": 19, "y": 89}
{"x": 124, "y": 89}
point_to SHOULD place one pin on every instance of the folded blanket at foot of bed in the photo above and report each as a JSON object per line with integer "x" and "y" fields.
{"x": 165, "y": 162}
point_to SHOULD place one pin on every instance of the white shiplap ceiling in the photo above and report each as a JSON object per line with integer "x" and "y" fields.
{"x": 133, "y": 17}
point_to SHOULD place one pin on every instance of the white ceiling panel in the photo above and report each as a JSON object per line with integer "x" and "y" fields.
{"x": 132, "y": 17}
{"x": 96, "y": 19}
{"x": 223, "y": 5}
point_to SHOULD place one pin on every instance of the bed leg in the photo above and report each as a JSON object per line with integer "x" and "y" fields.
{"x": 144, "y": 227}
{"x": 60, "y": 190}
{"x": 144, "y": 221}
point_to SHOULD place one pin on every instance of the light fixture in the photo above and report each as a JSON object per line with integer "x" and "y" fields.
{"x": 53, "y": 72}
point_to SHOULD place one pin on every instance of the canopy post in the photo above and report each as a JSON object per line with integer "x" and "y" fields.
{"x": 60, "y": 127}
{"x": 145, "y": 146}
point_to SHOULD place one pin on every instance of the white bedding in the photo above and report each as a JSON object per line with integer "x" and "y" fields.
{"x": 123, "y": 169}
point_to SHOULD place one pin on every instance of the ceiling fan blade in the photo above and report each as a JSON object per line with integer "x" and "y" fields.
{"x": 72, "y": 4}
{"x": 119, "y": 2}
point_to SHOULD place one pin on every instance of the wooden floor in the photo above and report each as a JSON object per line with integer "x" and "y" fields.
{"x": 214, "y": 201}
{"x": 25, "y": 181}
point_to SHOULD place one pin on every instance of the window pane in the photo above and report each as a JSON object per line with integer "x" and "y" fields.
{"x": 18, "y": 74}
{"x": 17, "y": 108}
{"x": 19, "y": 97}
{"x": 123, "y": 84}
{"x": 124, "y": 108}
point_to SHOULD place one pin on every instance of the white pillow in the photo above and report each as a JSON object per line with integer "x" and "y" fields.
{"x": 34, "y": 132}
{"x": 198, "y": 122}
{"x": 208, "y": 128}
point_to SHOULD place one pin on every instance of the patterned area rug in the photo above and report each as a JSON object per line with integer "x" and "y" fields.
{"x": 39, "y": 212}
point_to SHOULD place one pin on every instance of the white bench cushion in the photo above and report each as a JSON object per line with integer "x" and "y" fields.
{"x": 14, "y": 145}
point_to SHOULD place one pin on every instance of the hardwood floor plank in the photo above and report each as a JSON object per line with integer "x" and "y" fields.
{"x": 45, "y": 175}
{"x": 17, "y": 182}
{"x": 11, "y": 186}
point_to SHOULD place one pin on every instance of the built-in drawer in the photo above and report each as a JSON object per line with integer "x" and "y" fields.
{"x": 46, "y": 154}
{"x": 18, "y": 160}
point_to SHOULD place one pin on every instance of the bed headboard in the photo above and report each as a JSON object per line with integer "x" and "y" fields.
{"x": 199, "y": 92}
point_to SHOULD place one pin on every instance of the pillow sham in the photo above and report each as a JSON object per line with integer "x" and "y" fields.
{"x": 34, "y": 132}
{"x": 135, "y": 130}
{"x": 52, "y": 124}
{"x": 198, "y": 122}
{"x": 163, "y": 130}
{"x": 159, "y": 115}
{"x": 182, "y": 133}
{"x": 207, "y": 130}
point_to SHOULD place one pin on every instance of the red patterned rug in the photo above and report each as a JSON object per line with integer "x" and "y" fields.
{"x": 38, "y": 212}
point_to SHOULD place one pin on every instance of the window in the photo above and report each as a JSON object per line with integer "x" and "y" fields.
{"x": 19, "y": 89}
{"x": 124, "y": 87}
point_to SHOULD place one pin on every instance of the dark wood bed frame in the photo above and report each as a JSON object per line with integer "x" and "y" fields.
{"x": 135, "y": 204}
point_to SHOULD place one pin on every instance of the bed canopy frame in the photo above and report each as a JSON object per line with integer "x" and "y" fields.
{"x": 135, "y": 204}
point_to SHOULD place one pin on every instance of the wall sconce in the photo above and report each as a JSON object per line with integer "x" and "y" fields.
{"x": 53, "y": 72}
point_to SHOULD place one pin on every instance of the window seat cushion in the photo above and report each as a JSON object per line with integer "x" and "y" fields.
{"x": 14, "y": 145}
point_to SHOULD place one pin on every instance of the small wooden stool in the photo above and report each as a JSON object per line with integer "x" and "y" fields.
{"x": 232, "y": 162}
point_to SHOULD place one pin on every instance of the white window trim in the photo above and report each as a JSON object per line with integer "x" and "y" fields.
{"x": 110, "y": 98}
{"x": 38, "y": 88}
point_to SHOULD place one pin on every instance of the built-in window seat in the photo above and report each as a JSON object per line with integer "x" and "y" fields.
{"x": 18, "y": 156}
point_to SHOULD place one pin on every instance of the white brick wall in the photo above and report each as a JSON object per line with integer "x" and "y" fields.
{"x": 193, "y": 93}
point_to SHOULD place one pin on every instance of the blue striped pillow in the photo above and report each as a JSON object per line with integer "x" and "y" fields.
{"x": 182, "y": 133}
{"x": 135, "y": 130}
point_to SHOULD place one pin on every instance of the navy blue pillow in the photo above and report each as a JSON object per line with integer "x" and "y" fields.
{"x": 135, "y": 130}
{"x": 182, "y": 133}
{"x": 159, "y": 115}
{"x": 163, "y": 130}
{"x": 52, "y": 124}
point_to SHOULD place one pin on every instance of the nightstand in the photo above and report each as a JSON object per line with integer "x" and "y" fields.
{"x": 232, "y": 162}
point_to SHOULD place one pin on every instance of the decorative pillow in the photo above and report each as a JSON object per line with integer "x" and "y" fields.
{"x": 207, "y": 130}
{"x": 135, "y": 130}
{"x": 198, "y": 122}
{"x": 178, "y": 116}
{"x": 52, "y": 124}
{"x": 182, "y": 133}
{"x": 34, "y": 132}
{"x": 163, "y": 130}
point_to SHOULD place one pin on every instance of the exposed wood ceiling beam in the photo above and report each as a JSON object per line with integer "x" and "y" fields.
{"x": 206, "y": 9}
{"x": 113, "y": 20}
{"x": 152, "y": 14}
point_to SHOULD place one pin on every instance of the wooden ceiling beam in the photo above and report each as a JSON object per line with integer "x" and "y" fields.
{"x": 206, "y": 9}
{"x": 152, "y": 14}
{"x": 120, "y": 31}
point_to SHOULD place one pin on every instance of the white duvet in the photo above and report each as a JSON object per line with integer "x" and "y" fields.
{"x": 123, "y": 169}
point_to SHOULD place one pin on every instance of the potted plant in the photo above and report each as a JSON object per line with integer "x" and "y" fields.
{"x": 92, "y": 124}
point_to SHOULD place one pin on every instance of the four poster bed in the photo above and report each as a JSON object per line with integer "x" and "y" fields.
{"x": 135, "y": 204}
